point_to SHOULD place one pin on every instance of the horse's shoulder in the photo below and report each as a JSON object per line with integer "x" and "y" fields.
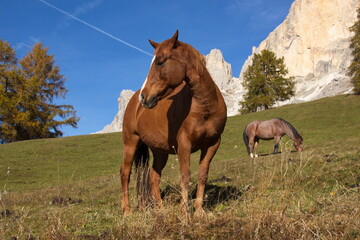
{"x": 133, "y": 103}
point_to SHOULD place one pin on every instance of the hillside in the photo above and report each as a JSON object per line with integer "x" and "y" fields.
{"x": 69, "y": 188}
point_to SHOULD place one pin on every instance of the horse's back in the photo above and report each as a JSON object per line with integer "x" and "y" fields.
{"x": 261, "y": 129}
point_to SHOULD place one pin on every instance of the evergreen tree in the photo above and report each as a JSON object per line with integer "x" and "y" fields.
{"x": 266, "y": 83}
{"x": 27, "y": 94}
{"x": 354, "y": 68}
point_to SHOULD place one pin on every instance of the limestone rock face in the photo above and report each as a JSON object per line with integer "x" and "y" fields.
{"x": 229, "y": 86}
{"x": 116, "y": 124}
{"x": 314, "y": 40}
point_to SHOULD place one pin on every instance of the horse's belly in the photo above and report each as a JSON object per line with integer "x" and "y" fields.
{"x": 266, "y": 138}
{"x": 264, "y": 135}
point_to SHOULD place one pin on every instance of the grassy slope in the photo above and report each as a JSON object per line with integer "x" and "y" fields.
{"x": 45, "y": 163}
{"x": 302, "y": 191}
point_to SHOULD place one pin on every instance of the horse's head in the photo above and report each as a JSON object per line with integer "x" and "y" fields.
{"x": 167, "y": 71}
{"x": 298, "y": 144}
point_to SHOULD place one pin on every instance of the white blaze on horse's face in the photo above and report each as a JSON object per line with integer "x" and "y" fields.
{"x": 142, "y": 87}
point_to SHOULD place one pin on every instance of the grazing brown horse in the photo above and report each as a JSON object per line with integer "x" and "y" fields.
{"x": 178, "y": 110}
{"x": 267, "y": 130}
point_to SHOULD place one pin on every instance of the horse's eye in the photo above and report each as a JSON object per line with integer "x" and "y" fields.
{"x": 160, "y": 63}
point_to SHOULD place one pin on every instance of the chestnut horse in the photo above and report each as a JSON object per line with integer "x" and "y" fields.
{"x": 267, "y": 130}
{"x": 178, "y": 110}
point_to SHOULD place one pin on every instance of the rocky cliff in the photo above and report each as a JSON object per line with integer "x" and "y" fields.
{"x": 116, "y": 124}
{"x": 229, "y": 86}
{"x": 314, "y": 40}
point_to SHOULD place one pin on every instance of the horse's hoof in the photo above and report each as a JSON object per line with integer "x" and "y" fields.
{"x": 256, "y": 155}
{"x": 200, "y": 214}
{"x": 127, "y": 211}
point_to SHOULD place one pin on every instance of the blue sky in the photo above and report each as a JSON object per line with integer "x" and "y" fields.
{"x": 97, "y": 67}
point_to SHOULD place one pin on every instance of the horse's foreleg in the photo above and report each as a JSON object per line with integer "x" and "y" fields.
{"x": 205, "y": 159}
{"x": 276, "y": 144}
{"x": 184, "y": 151}
{"x": 125, "y": 171}
{"x": 155, "y": 175}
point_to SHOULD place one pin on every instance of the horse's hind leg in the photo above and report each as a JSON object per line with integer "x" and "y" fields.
{"x": 251, "y": 146}
{"x": 206, "y": 156}
{"x": 159, "y": 163}
{"x": 256, "y": 144}
{"x": 130, "y": 145}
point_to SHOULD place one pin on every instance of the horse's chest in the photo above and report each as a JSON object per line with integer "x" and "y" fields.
{"x": 153, "y": 129}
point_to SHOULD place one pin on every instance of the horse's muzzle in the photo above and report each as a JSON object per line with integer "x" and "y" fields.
{"x": 148, "y": 104}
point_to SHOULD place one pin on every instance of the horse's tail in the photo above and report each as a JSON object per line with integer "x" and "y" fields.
{"x": 246, "y": 141}
{"x": 141, "y": 159}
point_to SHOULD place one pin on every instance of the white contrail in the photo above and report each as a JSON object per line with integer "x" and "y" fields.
{"x": 95, "y": 28}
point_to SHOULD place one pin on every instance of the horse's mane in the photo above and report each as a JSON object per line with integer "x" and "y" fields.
{"x": 196, "y": 59}
{"x": 291, "y": 127}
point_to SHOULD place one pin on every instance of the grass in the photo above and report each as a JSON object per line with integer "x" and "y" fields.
{"x": 52, "y": 162}
{"x": 69, "y": 188}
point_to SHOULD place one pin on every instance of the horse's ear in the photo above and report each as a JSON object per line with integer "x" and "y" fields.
{"x": 154, "y": 44}
{"x": 174, "y": 39}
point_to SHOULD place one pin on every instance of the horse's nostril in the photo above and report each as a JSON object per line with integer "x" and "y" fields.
{"x": 141, "y": 97}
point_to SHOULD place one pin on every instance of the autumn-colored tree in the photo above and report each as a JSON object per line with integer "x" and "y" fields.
{"x": 7, "y": 63}
{"x": 265, "y": 82}
{"x": 354, "y": 68}
{"x": 28, "y": 89}
{"x": 9, "y": 83}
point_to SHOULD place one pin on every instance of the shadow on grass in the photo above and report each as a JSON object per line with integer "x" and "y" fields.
{"x": 213, "y": 195}
{"x": 269, "y": 154}
{"x": 218, "y": 194}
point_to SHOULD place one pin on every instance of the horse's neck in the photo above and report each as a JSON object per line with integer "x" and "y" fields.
{"x": 289, "y": 130}
{"x": 204, "y": 90}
